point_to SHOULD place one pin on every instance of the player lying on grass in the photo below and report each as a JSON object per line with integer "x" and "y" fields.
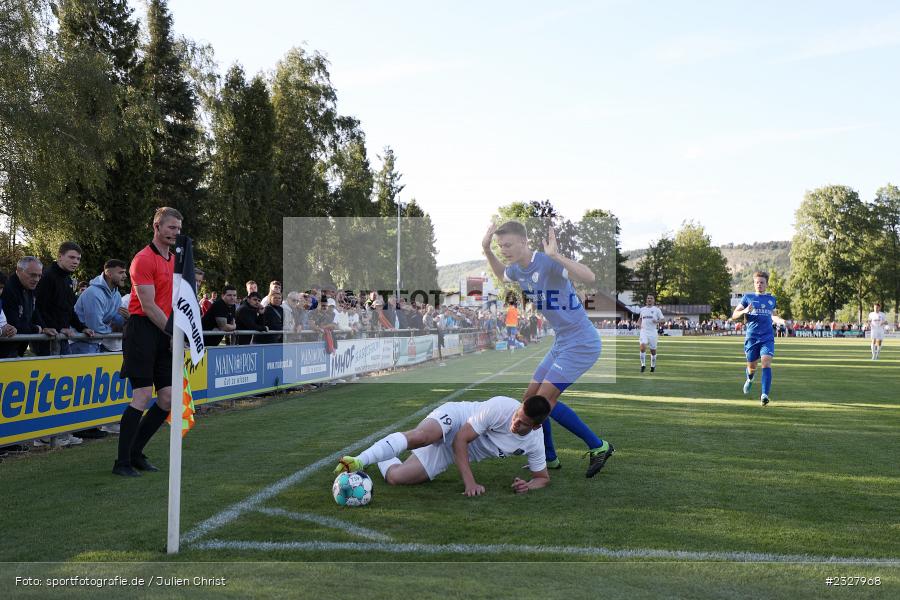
{"x": 461, "y": 433}
{"x": 759, "y": 343}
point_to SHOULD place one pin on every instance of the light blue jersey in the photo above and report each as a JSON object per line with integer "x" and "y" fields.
{"x": 546, "y": 283}
{"x": 577, "y": 346}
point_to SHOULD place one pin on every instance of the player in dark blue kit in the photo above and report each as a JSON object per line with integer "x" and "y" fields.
{"x": 546, "y": 279}
{"x": 759, "y": 343}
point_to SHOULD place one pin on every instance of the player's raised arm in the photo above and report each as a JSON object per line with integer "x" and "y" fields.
{"x": 461, "y": 442}
{"x": 576, "y": 270}
{"x": 496, "y": 266}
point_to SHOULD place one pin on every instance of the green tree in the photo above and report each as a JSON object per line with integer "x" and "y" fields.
{"x": 105, "y": 209}
{"x": 387, "y": 184}
{"x": 832, "y": 225}
{"x": 600, "y": 250}
{"x": 886, "y": 227}
{"x": 418, "y": 265}
{"x": 58, "y": 123}
{"x": 778, "y": 288}
{"x": 700, "y": 272}
{"x": 244, "y": 225}
{"x": 308, "y": 130}
{"x": 655, "y": 271}
{"x": 352, "y": 178}
{"x": 178, "y": 166}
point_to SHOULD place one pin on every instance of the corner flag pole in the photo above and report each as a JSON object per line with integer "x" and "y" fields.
{"x": 174, "y": 533}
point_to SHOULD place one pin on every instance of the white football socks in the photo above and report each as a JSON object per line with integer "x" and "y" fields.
{"x": 385, "y": 448}
{"x": 652, "y": 360}
{"x": 643, "y": 359}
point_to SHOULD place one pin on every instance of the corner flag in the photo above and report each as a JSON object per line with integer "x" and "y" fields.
{"x": 186, "y": 310}
{"x": 186, "y": 321}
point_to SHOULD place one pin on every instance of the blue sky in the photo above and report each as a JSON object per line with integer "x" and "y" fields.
{"x": 721, "y": 112}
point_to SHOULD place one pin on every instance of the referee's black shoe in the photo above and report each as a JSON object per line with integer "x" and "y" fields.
{"x": 142, "y": 464}
{"x": 124, "y": 470}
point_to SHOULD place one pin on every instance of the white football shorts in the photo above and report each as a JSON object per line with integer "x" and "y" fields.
{"x": 649, "y": 338}
{"x": 437, "y": 457}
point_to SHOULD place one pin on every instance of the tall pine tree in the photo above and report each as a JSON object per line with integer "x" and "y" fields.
{"x": 178, "y": 167}
{"x": 243, "y": 238}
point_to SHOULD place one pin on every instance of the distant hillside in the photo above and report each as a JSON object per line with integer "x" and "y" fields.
{"x": 742, "y": 259}
{"x": 449, "y": 275}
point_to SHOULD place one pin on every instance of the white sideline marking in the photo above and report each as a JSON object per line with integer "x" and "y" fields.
{"x": 598, "y": 551}
{"x": 369, "y": 534}
{"x": 235, "y": 510}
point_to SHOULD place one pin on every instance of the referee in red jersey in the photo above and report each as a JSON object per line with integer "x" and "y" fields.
{"x": 146, "y": 347}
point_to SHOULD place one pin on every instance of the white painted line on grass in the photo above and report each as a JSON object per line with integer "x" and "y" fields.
{"x": 599, "y": 552}
{"x": 235, "y": 510}
{"x": 369, "y": 534}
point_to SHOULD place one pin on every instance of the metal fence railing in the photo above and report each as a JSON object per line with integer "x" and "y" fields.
{"x": 230, "y": 338}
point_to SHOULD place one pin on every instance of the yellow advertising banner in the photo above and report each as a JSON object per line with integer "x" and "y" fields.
{"x": 49, "y": 395}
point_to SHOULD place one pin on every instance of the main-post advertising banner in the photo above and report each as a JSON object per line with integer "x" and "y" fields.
{"x": 45, "y": 396}
{"x": 243, "y": 370}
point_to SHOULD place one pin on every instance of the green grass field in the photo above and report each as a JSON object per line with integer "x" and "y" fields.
{"x": 708, "y": 494}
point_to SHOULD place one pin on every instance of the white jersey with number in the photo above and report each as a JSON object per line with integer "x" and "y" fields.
{"x": 491, "y": 420}
{"x": 877, "y": 319}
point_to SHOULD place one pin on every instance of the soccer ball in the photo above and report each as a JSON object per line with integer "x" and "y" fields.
{"x": 352, "y": 489}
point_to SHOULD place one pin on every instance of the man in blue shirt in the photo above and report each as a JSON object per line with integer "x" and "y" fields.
{"x": 759, "y": 343}
{"x": 546, "y": 280}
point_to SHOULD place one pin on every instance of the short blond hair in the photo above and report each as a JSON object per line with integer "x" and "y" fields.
{"x": 166, "y": 212}
{"x": 763, "y": 274}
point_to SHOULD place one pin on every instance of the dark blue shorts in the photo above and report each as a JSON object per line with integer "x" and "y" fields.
{"x": 754, "y": 348}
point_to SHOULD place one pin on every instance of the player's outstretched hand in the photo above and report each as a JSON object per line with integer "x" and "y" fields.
{"x": 486, "y": 242}
{"x": 520, "y": 486}
{"x": 475, "y": 490}
{"x": 550, "y": 247}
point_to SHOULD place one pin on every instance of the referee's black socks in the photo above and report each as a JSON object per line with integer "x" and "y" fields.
{"x": 128, "y": 428}
{"x": 152, "y": 421}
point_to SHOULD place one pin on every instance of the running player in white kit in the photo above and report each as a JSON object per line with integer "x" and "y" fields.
{"x": 877, "y": 320}
{"x": 462, "y": 433}
{"x": 650, "y": 317}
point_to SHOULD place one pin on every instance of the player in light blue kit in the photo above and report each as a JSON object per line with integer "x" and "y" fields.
{"x": 759, "y": 343}
{"x": 546, "y": 279}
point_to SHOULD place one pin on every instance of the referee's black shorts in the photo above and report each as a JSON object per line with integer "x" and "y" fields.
{"x": 146, "y": 354}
